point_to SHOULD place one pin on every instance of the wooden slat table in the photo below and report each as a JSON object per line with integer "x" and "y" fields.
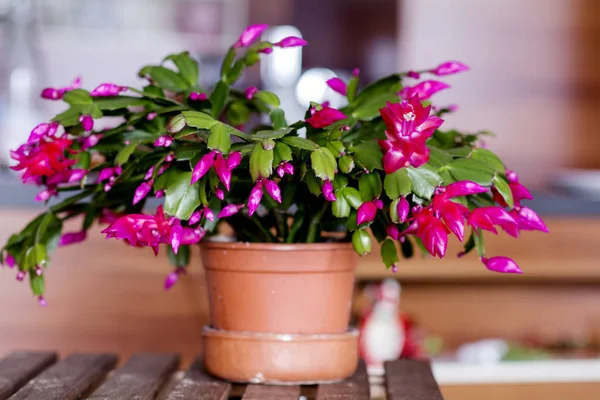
{"x": 147, "y": 376}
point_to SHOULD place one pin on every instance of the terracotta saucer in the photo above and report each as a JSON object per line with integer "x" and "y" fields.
{"x": 272, "y": 358}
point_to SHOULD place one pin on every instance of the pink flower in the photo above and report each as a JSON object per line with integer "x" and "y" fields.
{"x": 486, "y": 217}
{"x": 356, "y": 72}
{"x": 255, "y": 197}
{"x": 291, "y": 41}
{"x": 219, "y": 193}
{"x": 409, "y": 125}
{"x": 392, "y": 231}
{"x": 209, "y": 214}
{"x": 222, "y": 170}
{"x": 107, "y": 90}
{"x": 338, "y": 86}
{"x": 325, "y": 117}
{"x": 72, "y": 237}
{"x": 273, "y": 190}
{"x": 151, "y": 116}
{"x": 10, "y": 261}
{"x": 20, "y": 276}
{"x": 198, "y": 96}
{"x": 141, "y": 192}
{"x": 413, "y": 74}
{"x": 160, "y": 193}
{"x": 42, "y": 301}
{"x": 249, "y": 35}
{"x": 163, "y": 141}
{"x": 250, "y": 92}
{"x": 424, "y": 89}
{"x": 43, "y": 159}
{"x": 170, "y": 157}
{"x": 464, "y": 188}
{"x": 449, "y": 68}
{"x": 432, "y": 232}
{"x": 43, "y": 130}
{"x": 58, "y": 93}
{"x": 175, "y": 234}
{"x": 403, "y": 209}
{"x": 195, "y": 217}
{"x": 366, "y": 212}
{"x": 90, "y": 141}
{"x": 266, "y": 50}
{"x": 223, "y": 167}
{"x": 87, "y": 122}
{"x": 172, "y": 278}
{"x": 528, "y": 220}
{"x": 107, "y": 173}
{"x": 205, "y": 164}
{"x": 285, "y": 168}
{"x": 108, "y": 216}
{"x": 230, "y": 210}
{"x": 148, "y": 173}
{"x": 327, "y": 190}
{"x": 233, "y": 160}
{"x": 45, "y": 195}
{"x": 501, "y": 264}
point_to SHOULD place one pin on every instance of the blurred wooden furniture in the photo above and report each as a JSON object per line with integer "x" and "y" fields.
{"x": 146, "y": 376}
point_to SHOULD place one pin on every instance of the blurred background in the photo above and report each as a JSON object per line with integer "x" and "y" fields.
{"x": 533, "y": 82}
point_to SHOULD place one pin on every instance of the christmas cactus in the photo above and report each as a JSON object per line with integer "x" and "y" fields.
{"x": 380, "y": 167}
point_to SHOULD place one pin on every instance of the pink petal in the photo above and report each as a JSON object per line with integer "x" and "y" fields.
{"x": 141, "y": 192}
{"x": 223, "y": 172}
{"x": 291, "y": 41}
{"x": 392, "y": 231}
{"x": 195, "y": 218}
{"x": 327, "y": 190}
{"x": 107, "y": 89}
{"x": 280, "y": 171}
{"x": 171, "y": 280}
{"x": 355, "y": 72}
{"x": 87, "y": 122}
{"x": 175, "y": 237}
{"x": 233, "y": 160}
{"x": 449, "y": 68}
{"x": 273, "y": 190}
{"x": 501, "y": 264}
{"x": 325, "y": 117}
{"x": 250, "y": 92}
{"x": 230, "y": 210}
{"x": 10, "y": 261}
{"x": 255, "y": 197}
{"x": 464, "y": 188}
{"x": 338, "y": 86}
{"x": 219, "y": 193}
{"x": 250, "y": 34}
{"x": 205, "y": 163}
{"x": 151, "y": 116}
{"x": 288, "y": 168}
{"x": 198, "y": 96}
{"x": 403, "y": 209}
{"x": 71, "y": 238}
{"x": 366, "y": 213}
{"x": 51, "y": 94}
{"x": 527, "y": 219}
{"x": 424, "y": 90}
{"x": 209, "y": 214}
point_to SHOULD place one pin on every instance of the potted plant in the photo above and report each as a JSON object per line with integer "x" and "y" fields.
{"x": 302, "y": 197}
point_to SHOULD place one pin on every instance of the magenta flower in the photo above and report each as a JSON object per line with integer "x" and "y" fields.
{"x": 107, "y": 90}
{"x": 42, "y": 301}
{"x": 266, "y": 50}
{"x": 233, "y": 160}
{"x": 223, "y": 171}
{"x": 163, "y": 141}
{"x": 356, "y": 72}
{"x": 528, "y": 220}
{"x": 230, "y": 210}
{"x": 413, "y": 74}
{"x": 273, "y": 190}
{"x": 141, "y": 192}
{"x": 209, "y": 214}
{"x": 148, "y": 173}
{"x": 338, "y": 86}
{"x": 325, "y": 117}
{"x": 486, "y": 217}
{"x": 106, "y": 173}
{"x": 285, "y": 168}
{"x": 219, "y": 193}
{"x": 409, "y": 125}
{"x": 291, "y": 41}
{"x": 366, "y": 212}
{"x": 432, "y": 232}
{"x": 195, "y": 217}
{"x": 327, "y": 190}
{"x": 87, "y": 122}
{"x": 58, "y": 93}
{"x": 392, "y": 231}
{"x": 449, "y": 68}
{"x": 249, "y": 35}
{"x": 10, "y": 261}
{"x": 175, "y": 234}
{"x": 45, "y": 195}
{"x": 205, "y": 164}
{"x": 172, "y": 278}
{"x": 255, "y": 197}
{"x": 151, "y": 116}
{"x": 403, "y": 209}
{"x": 250, "y": 92}
{"x": 41, "y": 131}
{"x": 90, "y": 141}
{"x": 501, "y": 264}
{"x": 464, "y": 188}
{"x": 424, "y": 89}
{"x": 198, "y": 96}
{"x": 72, "y": 238}
{"x": 20, "y": 276}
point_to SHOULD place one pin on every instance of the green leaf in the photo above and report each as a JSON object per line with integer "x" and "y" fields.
{"x": 446, "y": 177}
{"x": 237, "y": 113}
{"x": 478, "y": 238}
{"x": 340, "y": 207}
{"x": 379, "y": 88}
{"x": 182, "y": 198}
{"x": 352, "y": 88}
{"x": 346, "y": 164}
{"x": 83, "y": 160}
{"x": 469, "y": 244}
{"x": 219, "y": 139}
{"x": 278, "y": 118}
{"x": 313, "y": 183}
{"x": 323, "y": 163}
{"x": 488, "y": 158}
{"x": 370, "y": 186}
{"x": 187, "y": 152}
{"x": 394, "y": 211}
{"x": 69, "y": 117}
{"x": 227, "y": 61}
{"x": 370, "y": 109}
{"x": 300, "y": 143}
{"x": 236, "y": 132}
{"x": 268, "y": 98}
{"x": 153, "y": 92}
{"x": 163, "y": 181}
{"x": 353, "y": 196}
{"x": 389, "y": 252}
{"x": 361, "y": 241}
{"x": 397, "y": 183}
{"x": 243, "y": 148}
{"x": 118, "y": 102}
{"x": 438, "y": 158}
{"x": 167, "y": 79}
{"x": 368, "y": 155}
{"x": 181, "y": 259}
{"x": 218, "y": 98}
{"x": 199, "y": 119}
{"x": 261, "y": 162}
{"x": 424, "y": 180}
{"x": 460, "y": 152}
{"x": 124, "y": 154}
{"x": 467, "y": 169}
{"x": 267, "y": 134}
{"x": 37, "y": 284}
{"x": 187, "y": 66}
{"x": 78, "y": 96}
{"x": 502, "y": 187}
{"x": 40, "y": 254}
{"x": 340, "y": 182}
{"x": 336, "y": 147}
{"x": 283, "y": 152}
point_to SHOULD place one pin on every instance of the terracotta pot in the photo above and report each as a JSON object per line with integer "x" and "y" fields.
{"x": 280, "y": 288}
{"x": 279, "y": 312}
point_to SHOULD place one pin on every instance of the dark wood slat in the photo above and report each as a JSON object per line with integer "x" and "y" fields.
{"x": 196, "y": 384}
{"x": 19, "y": 367}
{"x": 70, "y": 379}
{"x": 411, "y": 380}
{"x": 354, "y": 388}
{"x": 140, "y": 379}
{"x": 264, "y": 392}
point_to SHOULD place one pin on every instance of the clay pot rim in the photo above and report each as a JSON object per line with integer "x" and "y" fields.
{"x": 279, "y": 337}
{"x": 328, "y": 246}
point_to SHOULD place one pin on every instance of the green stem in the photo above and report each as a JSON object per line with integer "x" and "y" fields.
{"x": 296, "y": 225}
{"x": 314, "y": 224}
{"x": 70, "y": 201}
